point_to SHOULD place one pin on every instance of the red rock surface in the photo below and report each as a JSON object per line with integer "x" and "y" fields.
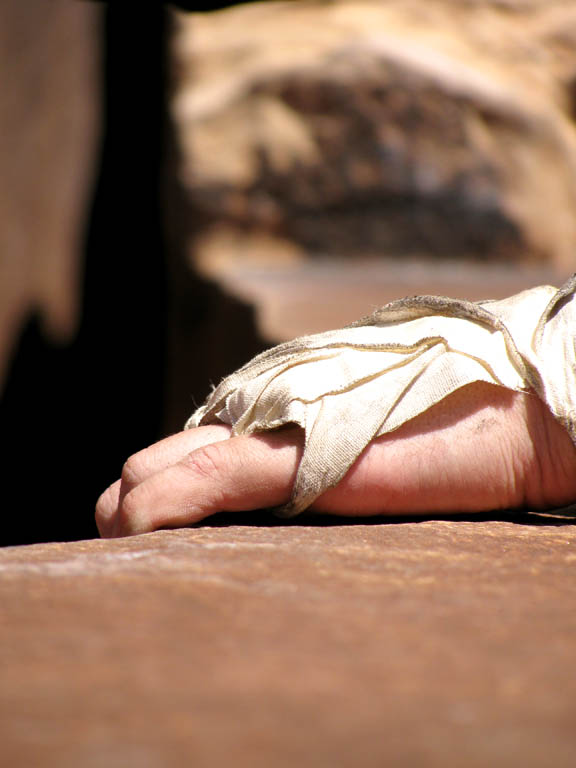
{"x": 415, "y": 643}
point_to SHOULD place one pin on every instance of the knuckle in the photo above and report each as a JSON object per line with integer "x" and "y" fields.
{"x": 209, "y": 468}
{"x": 207, "y": 462}
{"x": 132, "y": 471}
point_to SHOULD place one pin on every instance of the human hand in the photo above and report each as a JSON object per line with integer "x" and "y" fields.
{"x": 481, "y": 448}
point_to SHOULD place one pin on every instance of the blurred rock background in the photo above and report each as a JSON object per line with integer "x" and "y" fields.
{"x": 48, "y": 142}
{"x": 381, "y": 129}
{"x": 107, "y": 340}
{"x": 181, "y": 189}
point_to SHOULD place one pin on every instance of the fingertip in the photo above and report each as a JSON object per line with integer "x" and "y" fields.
{"x": 106, "y": 509}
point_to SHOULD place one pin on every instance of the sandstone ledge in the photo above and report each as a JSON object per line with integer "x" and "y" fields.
{"x": 320, "y": 643}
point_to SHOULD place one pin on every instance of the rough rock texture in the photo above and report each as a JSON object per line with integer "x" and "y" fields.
{"x": 414, "y": 643}
{"x": 436, "y": 127}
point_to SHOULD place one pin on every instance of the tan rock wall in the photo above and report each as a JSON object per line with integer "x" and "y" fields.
{"x": 381, "y": 128}
{"x": 48, "y": 59}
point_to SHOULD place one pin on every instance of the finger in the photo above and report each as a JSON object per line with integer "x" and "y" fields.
{"x": 106, "y": 509}
{"x": 166, "y": 452}
{"x": 147, "y": 462}
{"x": 242, "y": 473}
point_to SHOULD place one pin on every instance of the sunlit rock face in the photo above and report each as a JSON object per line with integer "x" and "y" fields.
{"x": 354, "y": 128}
{"x": 327, "y": 643}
